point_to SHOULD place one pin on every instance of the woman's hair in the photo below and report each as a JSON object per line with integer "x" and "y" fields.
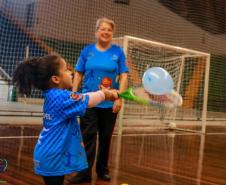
{"x": 106, "y": 20}
{"x": 36, "y": 72}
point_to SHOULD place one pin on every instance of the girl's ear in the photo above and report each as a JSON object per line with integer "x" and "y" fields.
{"x": 55, "y": 79}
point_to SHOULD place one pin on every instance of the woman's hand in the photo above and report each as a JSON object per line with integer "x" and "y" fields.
{"x": 112, "y": 94}
{"x": 117, "y": 105}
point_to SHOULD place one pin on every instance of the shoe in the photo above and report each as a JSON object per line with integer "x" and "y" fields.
{"x": 104, "y": 177}
{"x": 80, "y": 179}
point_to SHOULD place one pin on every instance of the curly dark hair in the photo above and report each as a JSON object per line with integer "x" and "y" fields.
{"x": 36, "y": 72}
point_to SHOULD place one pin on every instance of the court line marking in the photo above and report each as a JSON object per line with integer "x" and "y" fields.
{"x": 159, "y": 134}
{"x": 172, "y": 134}
{"x": 216, "y": 133}
{"x": 125, "y": 135}
{"x": 17, "y": 137}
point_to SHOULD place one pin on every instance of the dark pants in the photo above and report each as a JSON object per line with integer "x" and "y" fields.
{"x": 101, "y": 121}
{"x": 53, "y": 180}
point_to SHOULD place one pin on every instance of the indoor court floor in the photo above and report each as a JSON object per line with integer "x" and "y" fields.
{"x": 156, "y": 158}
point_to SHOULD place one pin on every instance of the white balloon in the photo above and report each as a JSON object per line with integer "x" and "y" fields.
{"x": 157, "y": 81}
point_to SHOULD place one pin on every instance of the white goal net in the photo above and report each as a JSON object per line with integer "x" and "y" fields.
{"x": 190, "y": 72}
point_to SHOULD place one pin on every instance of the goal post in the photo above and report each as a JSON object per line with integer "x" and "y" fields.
{"x": 190, "y": 72}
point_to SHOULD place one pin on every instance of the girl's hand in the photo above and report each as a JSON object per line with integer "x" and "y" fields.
{"x": 110, "y": 94}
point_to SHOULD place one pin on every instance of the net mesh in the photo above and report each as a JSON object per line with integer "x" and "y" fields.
{"x": 187, "y": 68}
{"x": 145, "y": 154}
{"x": 37, "y": 27}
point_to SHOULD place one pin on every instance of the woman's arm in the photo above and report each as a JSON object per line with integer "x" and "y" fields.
{"x": 123, "y": 83}
{"x": 77, "y": 81}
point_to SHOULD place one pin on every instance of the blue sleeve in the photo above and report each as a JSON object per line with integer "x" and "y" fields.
{"x": 123, "y": 68}
{"x": 74, "y": 104}
{"x": 80, "y": 66}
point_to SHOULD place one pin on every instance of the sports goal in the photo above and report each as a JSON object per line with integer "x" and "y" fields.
{"x": 190, "y": 72}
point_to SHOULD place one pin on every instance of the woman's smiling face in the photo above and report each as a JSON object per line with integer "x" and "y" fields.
{"x": 104, "y": 33}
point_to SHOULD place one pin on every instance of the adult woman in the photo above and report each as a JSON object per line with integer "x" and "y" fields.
{"x": 100, "y": 65}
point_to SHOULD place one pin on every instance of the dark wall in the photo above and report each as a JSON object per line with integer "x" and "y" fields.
{"x": 207, "y": 14}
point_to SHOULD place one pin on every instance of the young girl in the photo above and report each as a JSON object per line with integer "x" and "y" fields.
{"x": 59, "y": 149}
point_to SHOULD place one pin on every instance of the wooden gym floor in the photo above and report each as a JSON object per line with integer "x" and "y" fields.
{"x": 167, "y": 158}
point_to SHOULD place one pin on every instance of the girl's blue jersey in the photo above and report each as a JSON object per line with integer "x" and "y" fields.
{"x": 101, "y": 68}
{"x": 60, "y": 148}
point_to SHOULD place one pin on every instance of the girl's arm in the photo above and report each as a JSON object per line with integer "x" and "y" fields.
{"x": 95, "y": 98}
{"x": 99, "y": 96}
